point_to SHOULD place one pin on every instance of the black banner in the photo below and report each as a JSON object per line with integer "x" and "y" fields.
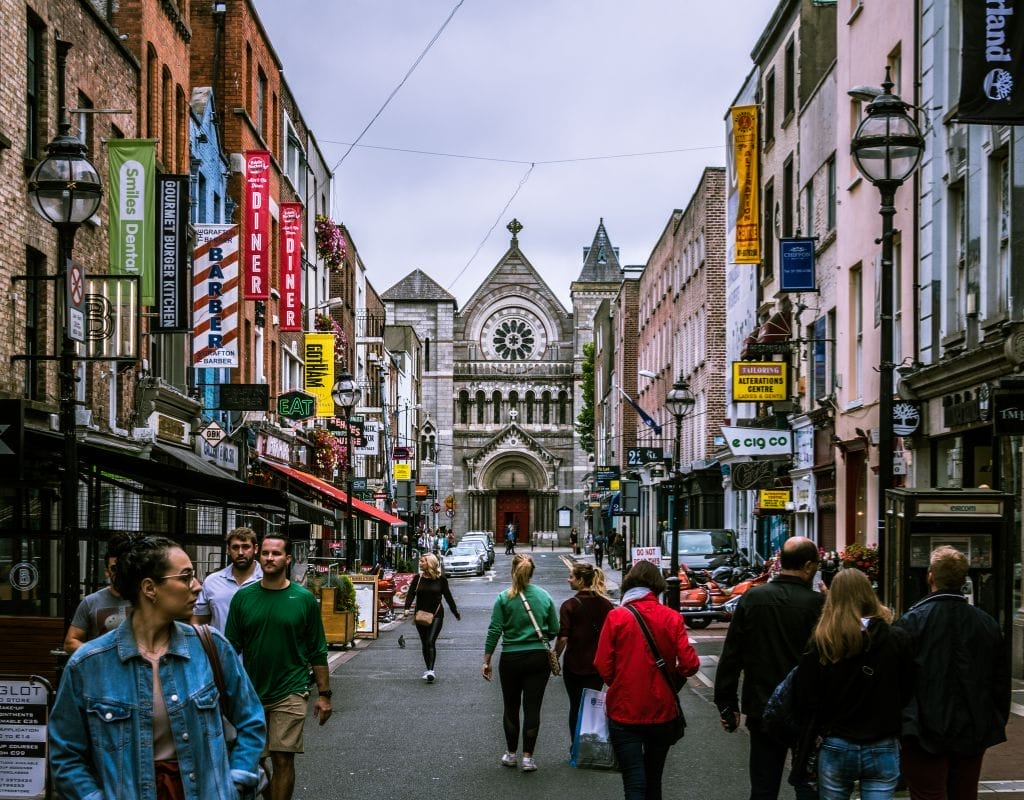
{"x": 172, "y": 294}
{"x": 992, "y": 57}
{"x": 243, "y": 397}
{"x": 1008, "y": 413}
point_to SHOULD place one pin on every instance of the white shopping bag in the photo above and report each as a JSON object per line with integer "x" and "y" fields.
{"x": 592, "y": 746}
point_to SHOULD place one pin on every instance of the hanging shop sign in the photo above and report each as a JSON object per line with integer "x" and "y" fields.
{"x": 401, "y": 472}
{"x": 296, "y": 405}
{"x": 319, "y": 373}
{"x": 906, "y": 418}
{"x": 606, "y": 475}
{"x": 132, "y": 209}
{"x": 290, "y": 247}
{"x": 256, "y": 247}
{"x": 758, "y": 441}
{"x": 638, "y": 456}
{"x": 111, "y": 307}
{"x": 773, "y": 499}
{"x": 172, "y": 254}
{"x": 992, "y": 57}
{"x": 759, "y": 381}
{"x": 748, "y": 212}
{"x": 370, "y": 440}
{"x": 796, "y": 265}
{"x": 243, "y": 397}
{"x": 215, "y": 296}
{"x": 1008, "y": 413}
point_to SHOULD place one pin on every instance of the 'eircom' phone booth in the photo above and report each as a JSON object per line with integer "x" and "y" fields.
{"x": 977, "y": 522}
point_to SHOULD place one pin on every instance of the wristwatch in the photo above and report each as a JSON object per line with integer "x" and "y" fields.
{"x": 328, "y": 693}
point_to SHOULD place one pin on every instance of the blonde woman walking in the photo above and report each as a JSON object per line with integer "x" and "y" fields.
{"x": 428, "y": 589}
{"x": 854, "y": 681}
{"x": 580, "y": 620}
{"x": 523, "y": 669}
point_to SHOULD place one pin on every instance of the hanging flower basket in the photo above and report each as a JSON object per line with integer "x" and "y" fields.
{"x": 861, "y": 556}
{"x": 328, "y": 451}
{"x": 330, "y": 242}
{"x": 326, "y": 324}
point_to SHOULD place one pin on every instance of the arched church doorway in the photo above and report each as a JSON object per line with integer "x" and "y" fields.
{"x": 513, "y": 507}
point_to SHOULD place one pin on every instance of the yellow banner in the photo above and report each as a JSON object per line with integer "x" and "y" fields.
{"x": 401, "y": 472}
{"x": 774, "y": 499}
{"x": 758, "y": 381}
{"x": 748, "y": 209}
{"x": 319, "y": 372}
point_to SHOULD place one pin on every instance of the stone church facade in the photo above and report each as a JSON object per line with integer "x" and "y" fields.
{"x": 501, "y": 389}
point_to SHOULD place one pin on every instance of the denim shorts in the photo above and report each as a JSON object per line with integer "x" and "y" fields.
{"x": 875, "y": 764}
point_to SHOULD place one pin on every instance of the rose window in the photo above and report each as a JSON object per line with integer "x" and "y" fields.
{"x": 513, "y": 340}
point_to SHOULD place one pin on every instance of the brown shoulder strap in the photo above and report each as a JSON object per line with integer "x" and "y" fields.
{"x": 203, "y": 632}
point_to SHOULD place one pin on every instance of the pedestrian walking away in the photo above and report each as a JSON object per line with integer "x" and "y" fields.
{"x": 428, "y": 589}
{"x": 510, "y": 539}
{"x": 138, "y": 708}
{"x": 580, "y": 620}
{"x": 220, "y": 586}
{"x": 275, "y": 624}
{"x": 102, "y": 610}
{"x": 852, "y": 683}
{"x": 574, "y": 541}
{"x": 599, "y": 543}
{"x": 767, "y": 635}
{"x": 524, "y": 668}
{"x": 961, "y": 700}
{"x": 642, "y": 705}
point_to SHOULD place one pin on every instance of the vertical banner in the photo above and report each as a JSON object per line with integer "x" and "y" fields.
{"x": 748, "y": 219}
{"x": 992, "y": 60}
{"x": 132, "y": 206}
{"x": 256, "y": 249}
{"x": 319, "y": 373}
{"x": 290, "y": 249}
{"x": 215, "y": 296}
{"x": 172, "y": 304}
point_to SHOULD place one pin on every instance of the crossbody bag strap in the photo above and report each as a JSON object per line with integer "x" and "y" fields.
{"x": 659, "y": 661}
{"x": 203, "y": 632}
{"x": 533, "y": 619}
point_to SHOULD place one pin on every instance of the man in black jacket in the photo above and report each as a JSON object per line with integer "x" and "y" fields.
{"x": 962, "y": 686}
{"x": 766, "y": 637}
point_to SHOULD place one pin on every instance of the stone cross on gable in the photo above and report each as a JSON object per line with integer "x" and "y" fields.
{"x": 515, "y": 226}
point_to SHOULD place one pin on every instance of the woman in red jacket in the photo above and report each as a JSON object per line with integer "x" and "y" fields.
{"x": 642, "y": 707}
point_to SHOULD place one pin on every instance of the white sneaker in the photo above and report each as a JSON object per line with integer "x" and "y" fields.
{"x": 509, "y": 759}
{"x": 429, "y": 676}
{"x": 528, "y": 764}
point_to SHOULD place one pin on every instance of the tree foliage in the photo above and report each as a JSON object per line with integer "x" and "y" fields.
{"x": 585, "y": 419}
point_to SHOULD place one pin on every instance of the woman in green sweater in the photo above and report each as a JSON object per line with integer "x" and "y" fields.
{"x": 523, "y": 669}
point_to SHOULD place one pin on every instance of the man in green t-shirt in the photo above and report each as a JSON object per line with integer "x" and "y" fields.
{"x": 275, "y": 624}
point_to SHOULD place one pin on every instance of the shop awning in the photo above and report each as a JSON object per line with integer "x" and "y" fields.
{"x": 336, "y": 494}
{"x": 190, "y": 460}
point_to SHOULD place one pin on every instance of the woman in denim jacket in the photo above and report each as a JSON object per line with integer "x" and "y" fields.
{"x": 138, "y": 715}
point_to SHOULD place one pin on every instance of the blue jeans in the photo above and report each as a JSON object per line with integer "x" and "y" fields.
{"x": 641, "y": 751}
{"x": 875, "y": 764}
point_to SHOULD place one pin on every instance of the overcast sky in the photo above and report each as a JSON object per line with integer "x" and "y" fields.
{"x": 523, "y": 82}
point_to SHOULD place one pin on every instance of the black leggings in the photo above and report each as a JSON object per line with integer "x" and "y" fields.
{"x": 524, "y": 677}
{"x": 574, "y": 686}
{"x": 428, "y": 638}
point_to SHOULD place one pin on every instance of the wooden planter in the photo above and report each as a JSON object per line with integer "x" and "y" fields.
{"x": 339, "y": 626}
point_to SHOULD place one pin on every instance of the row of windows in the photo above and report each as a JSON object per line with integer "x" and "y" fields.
{"x": 536, "y": 410}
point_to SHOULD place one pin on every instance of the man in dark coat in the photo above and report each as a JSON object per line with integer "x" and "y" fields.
{"x": 962, "y": 686}
{"x": 770, "y": 630}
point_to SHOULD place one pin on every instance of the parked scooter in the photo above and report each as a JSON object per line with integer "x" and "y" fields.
{"x": 705, "y": 598}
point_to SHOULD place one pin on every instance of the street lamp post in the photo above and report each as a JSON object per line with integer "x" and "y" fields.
{"x": 679, "y": 403}
{"x": 65, "y": 191}
{"x": 347, "y": 394}
{"x": 886, "y": 148}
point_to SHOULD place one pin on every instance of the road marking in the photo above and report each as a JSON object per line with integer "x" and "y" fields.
{"x": 704, "y": 679}
{"x": 1000, "y": 787}
{"x": 1017, "y": 708}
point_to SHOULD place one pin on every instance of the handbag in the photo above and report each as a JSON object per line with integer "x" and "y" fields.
{"x": 679, "y": 723}
{"x": 556, "y": 668}
{"x": 230, "y": 733}
{"x": 592, "y": 744}
{"x": 425, "y": 618}
{"x": 780, "y": 719}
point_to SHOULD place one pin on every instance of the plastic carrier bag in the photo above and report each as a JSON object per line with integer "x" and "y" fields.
{"x": 592, "y": 746}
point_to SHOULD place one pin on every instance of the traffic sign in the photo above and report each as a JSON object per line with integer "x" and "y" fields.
{"x": 450, "y": 512}
{"x": 436, "y": 508}
{"x": 75, "y": 299}
{"x": 213, "y": 434}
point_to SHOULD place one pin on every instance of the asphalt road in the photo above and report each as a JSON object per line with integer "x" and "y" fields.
{"x": 393, "y": 735}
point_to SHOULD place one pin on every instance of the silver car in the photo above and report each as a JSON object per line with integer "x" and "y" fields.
{"x": 464, "y": 561}
{"x": 474, "y": 539}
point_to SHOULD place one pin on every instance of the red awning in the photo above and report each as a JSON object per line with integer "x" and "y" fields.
{"x": 334, "y": 493}
{"x": 776, "y": 329}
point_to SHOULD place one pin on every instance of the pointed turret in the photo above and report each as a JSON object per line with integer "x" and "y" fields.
{"x": 600, "y": 260}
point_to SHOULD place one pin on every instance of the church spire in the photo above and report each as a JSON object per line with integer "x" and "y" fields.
{"x": 600, "y": 260}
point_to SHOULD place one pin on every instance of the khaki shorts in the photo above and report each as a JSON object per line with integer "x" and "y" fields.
{"x": 285, "y": 721}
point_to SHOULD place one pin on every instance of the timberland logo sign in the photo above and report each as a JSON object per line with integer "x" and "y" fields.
{"x": 993, "y": 46}
{"x": 1008, "y": 413}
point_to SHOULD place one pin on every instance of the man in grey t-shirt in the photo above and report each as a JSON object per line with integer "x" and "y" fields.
{"x": 100, "y": 611}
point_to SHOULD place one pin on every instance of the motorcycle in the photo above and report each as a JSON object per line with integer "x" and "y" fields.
{"x": 703, "y": 599}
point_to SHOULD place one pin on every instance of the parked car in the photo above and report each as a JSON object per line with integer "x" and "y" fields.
{"x": 699, "y": 548}
{"x": 483, "y": 539}
{"x": 464, "y": 560}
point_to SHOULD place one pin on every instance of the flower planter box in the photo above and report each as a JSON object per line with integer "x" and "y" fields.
{"x": 339, "y": 626}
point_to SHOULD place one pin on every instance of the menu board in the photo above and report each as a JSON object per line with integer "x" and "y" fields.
{"x": 23, "y": 718}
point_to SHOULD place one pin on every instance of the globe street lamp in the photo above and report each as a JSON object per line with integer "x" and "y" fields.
{"x": 347, "y": 394}
{"x": 886, "y": 148}
{"x": 679, "y": 402}
{"x": 65, "y": 191}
